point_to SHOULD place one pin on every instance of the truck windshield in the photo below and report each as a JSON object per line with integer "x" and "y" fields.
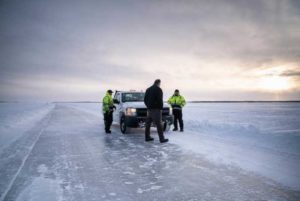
{"x": 133, "y": 97}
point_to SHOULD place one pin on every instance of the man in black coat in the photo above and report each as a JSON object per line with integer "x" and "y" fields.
{"x": 154, "y": 102}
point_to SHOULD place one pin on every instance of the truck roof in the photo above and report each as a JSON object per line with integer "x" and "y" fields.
{"x": 130, "y": 91}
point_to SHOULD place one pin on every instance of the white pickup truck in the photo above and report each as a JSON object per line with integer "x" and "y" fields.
{"x": 131, "y": 112}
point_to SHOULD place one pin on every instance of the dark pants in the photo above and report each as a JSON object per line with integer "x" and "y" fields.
{"x": 178, "y": 117}
{"x": 154, "y": 115}
{"x": 108, "y": 119}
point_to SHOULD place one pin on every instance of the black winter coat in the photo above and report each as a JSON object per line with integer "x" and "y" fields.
{"x": 154, "y": 97}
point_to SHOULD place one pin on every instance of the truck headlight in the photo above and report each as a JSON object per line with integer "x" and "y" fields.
{"x": 130, "y": 111}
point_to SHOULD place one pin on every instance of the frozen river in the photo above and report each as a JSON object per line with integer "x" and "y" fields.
{"x": 240, "y": 151}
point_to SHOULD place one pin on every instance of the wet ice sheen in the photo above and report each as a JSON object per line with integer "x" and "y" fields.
{"x": 74, "y": 160}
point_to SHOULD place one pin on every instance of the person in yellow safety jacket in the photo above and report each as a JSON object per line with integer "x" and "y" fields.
{"x": 177, "y": 102}
{"x": 108, "y": 109}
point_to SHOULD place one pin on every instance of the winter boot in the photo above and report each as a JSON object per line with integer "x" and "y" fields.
{"x": 164, "y": 140}
{"x": 149, "y": 139}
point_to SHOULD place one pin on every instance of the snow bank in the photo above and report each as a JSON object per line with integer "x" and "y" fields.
{"x": 17, "y": 118}
{"x": 263, "y": 138}
{"x": 92, "y": 108}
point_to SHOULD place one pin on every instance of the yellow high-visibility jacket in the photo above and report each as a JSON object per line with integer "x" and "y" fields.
{"x": 107, "y": 103}
{"x": 177, "y": 102}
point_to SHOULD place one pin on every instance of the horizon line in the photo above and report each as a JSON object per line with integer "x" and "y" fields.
{"x": 194, "y": 101}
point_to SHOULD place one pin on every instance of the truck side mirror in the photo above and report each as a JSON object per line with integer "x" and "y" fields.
{"x": 116, "y": 101}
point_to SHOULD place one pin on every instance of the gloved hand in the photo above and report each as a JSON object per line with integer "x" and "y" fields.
{"x": 112, "y": 108}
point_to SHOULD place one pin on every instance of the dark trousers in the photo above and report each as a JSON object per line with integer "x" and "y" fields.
{"x": 154, "y": 115}
{"x": 108, "y": 119}
{"x": 178, "y": 117}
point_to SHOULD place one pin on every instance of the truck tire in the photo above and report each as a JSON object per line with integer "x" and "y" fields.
{"x": 123, "y": 126}
{"x": 166, "y": 126}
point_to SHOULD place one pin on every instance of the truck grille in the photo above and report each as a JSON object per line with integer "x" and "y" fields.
{"x": 142, "y": 112}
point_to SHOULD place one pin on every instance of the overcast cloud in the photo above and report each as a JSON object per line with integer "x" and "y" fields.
{"x": 210, "y": 50}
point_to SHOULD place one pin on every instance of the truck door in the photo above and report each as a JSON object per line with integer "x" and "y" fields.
{"x": 116, "y": 114}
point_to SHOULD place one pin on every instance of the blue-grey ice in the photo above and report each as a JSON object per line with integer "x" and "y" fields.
{"x": 229, "y": 151}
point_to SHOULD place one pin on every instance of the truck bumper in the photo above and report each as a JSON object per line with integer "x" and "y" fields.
{"x": 140, "y": 122}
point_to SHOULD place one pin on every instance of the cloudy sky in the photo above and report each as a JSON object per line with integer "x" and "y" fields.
{"x": 210, "y": 50}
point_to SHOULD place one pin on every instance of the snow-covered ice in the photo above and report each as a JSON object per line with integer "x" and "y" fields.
{"x": 259, "y": 137}
{"x": 16, "y": 118}
{"x": 229, "y": 151}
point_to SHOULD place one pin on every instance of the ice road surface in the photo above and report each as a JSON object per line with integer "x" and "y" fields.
{"x": 229, "y": 151}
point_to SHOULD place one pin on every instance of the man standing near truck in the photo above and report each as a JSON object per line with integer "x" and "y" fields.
{"x": 177, "y": 102}
{"x": 154, "y": 101}
{"x": 108, "y": 109}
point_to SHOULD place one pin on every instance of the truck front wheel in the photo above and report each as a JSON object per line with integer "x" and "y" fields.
{"x": 123, "y": 125}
